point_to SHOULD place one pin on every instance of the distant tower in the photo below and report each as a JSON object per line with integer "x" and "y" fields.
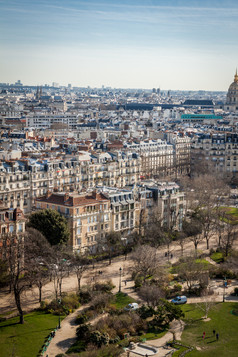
{"x": 37, "y": 93}
{"x": 158, "y": 90}
{"x": 40, "y": 91}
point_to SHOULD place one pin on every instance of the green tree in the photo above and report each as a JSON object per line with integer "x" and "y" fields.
{"x": 51, "y": 224}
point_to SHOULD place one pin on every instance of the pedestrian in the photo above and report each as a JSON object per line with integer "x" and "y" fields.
{"x": 125, "y": 282}
{"x": 214, "y": 332}
{"x": 171, "y": 256}
{"x": 203, "y": 335}
{"x": 217, "y": 336}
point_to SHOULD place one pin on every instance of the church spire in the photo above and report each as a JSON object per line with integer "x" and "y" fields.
{"x": 236, "y": 76}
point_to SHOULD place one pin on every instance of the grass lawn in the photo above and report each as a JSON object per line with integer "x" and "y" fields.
{"x": 222, "y": 321}
{"x": 232, "y": 213}
{"x": 217, "y": 257}
{"x": 153, "y": 335}
{"x": 26, "y": 340}
{"x": 121, "y": 300}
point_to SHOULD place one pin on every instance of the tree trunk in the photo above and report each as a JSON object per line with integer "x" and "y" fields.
{"x": 181, "y": 250}
{"x": 219, "y": 240}
{"x": 196, "y": 248}
{"x": 40, "y": 292}
{"x": 207, "y": 240}
{"x": 79, "y": 282}
{"x": 18, "y": 304}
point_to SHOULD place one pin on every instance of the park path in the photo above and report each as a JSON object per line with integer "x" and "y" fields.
{"x": 30, "y": 298}
{"x": 160, "y": 343}
{"x": 65, "y": 336}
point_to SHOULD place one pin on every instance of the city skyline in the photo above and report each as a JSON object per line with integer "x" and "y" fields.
{"x": 127, "y": 44}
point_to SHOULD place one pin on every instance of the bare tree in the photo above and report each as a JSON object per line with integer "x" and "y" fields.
{"x": 18, "y": 275}
{"x": 180, "y": 238}
{"x": 151, "y": 294}
{"x": 79, "y": 264}
{"x": 206, "y": 306}
{"x": 59, "y": 269}
{"x": 112, "y": 243}
{"x": 192, "y": 272}
{"x": 24, "y": 253}
{"x": 40, "y": 255}
{"x": 229, "y": 236}
{"x": 145, "y": 261}
{"x": 193, "y": 229}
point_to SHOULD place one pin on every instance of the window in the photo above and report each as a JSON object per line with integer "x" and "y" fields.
{"x": 79, "y": 230}
{"x": 79, "y": 221}
{"x": 11, "y": 229}
{"x": 20, "y": 228}
{"x": 66, "y": 210}
{"x": 78, "y": 241}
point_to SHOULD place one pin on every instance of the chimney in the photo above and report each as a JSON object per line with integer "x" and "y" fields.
{"x": 94, "y": 194}
{"x": 66, "y": 197}
{"x": 48, "y": 194}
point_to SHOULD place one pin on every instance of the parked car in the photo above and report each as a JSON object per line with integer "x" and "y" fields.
{"x": 132, "y": 307}
{"x": 179, "y": 300}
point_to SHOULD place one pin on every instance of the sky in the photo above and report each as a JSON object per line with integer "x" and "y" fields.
{"x": 173, "y": 44}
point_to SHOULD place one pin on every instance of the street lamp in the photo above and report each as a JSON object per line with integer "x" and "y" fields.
{"x": 59, "y": 301}
{"x": 120, "y": 280}
{"x": 224, "y": 288}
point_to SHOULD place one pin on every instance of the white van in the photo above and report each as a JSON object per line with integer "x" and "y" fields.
{"x": 132, "y": 307}
{"x": 179, "y": 300}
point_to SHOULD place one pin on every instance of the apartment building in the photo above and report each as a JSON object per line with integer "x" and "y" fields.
{"x": 220, "y": 150}
{"x": 88, "y": 216}
{"x": 47, "y": 120}
{"x": 165, "y": 200}
{"x": 156, "y": 157}
{"x": 23, "y": 180}
{"x": 182, "y": 153}
{"x": 124, "y": 209}
{"x": 12, "y": 224}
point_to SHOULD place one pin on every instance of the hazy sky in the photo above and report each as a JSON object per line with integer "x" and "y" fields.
{"x": 170, "y": 44}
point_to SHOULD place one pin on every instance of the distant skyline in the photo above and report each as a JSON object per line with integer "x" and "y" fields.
{"x": 176, "y": 44}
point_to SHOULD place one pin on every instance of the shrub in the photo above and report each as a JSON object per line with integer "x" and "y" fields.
{"x": 138, "y": 282}
{"x": 81, "y": 319}
{"x": 83, "y": 332}
{"x": 43, "y": 305}
{"x": 85, "y": 295}
{"x": 71, "y": 301}
{"x": 97, "y": 338}
{"x": 68, "y": 303}
{"x": 100, "y": 301}
{"x": 105, "y": 287}
{"x": 104, "y": 351}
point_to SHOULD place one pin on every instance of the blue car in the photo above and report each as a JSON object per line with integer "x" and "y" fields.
{"x": 179, "y": 300}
